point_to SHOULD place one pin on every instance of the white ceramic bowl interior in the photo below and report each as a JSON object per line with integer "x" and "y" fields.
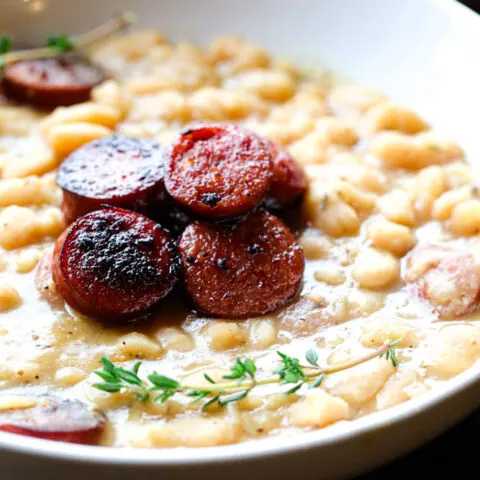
{"x": 424, "y": 54}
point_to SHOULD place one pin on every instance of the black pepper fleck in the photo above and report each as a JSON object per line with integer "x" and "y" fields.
{"x": 211, "y": 199}
{"x": 254, "y": 249}
{"x": 222, "y": 263}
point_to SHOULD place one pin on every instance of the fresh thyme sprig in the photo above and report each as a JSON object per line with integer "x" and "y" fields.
{"x": 242, "y": 373}
{"x": 57, "y": 44}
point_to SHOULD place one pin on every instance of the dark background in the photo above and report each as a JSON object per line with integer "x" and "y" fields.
{"x": 454, "y": 454}
{"x": 473, "y": 4}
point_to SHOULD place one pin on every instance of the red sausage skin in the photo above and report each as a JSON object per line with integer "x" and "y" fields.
{"x": 59, "y": 420}
{"x": 289, "y": 181}
{"x": 116, "y": 171}
{"x": 248, "y": 269}
{"x": 51, "y": 82}
{"x": 218, "y": 172}
{"x": 114, "y": 265}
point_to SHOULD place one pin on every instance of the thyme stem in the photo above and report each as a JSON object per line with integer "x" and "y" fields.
{"x": 311, "y": 372}
{"x": 113, "y": 25}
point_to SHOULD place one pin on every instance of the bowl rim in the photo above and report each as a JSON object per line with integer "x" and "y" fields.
{"x": 255, "y": 449}
{"x": 259, "y": 448}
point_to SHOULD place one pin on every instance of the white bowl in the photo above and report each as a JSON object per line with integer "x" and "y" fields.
{"x": 423, "y": 53}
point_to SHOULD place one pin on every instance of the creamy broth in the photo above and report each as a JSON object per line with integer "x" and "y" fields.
{"x": 381, "y": 185}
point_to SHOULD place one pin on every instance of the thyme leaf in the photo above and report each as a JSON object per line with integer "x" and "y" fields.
{"x": 290, "y": 370}
{"x": 63, "y": 42}
{"x": 241, "y": 369}
{"x": 294, "y": 389}
{"x": 5, "y": 44}
{"x": 317, "y": 382}
{"x": 233, "y": 398}
{"x": 312, "y": 357}
{"x": 208, "y": 378}
{"x": 117, "y": 379}
{"x": 390, "y": 354}
{"x": 213, "y": 400}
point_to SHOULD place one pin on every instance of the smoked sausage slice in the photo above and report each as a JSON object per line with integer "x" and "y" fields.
{"x": 218, "y": 171}
{"x": 118, "y": 171}
{"x": 114, "y": 265}
{"x": 448, "y": 278}
{"x": 247, "y": 269}
{"x": 55, "y": 419}
{"x": 289, "y": 181}
{"x": 51, "y": 82}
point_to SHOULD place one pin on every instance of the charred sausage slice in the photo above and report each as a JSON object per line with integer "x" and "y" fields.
{"x": 55, "y": 419}
{"x": 448, "y": 278}
{"x": 118, "y": 171}
{"x": 218, "y": 171}
{"x": 248, "y": 269}
{"x": 289, "y": 181}
{"x": 51, "y": 82}
{"x": 114, "y": 265}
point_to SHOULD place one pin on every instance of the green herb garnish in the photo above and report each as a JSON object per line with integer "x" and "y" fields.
{"x": 391, "y": 353}
{"x": 58, "y": 44}
{"x": 63, "y": 43}
{"x": 243, "y": 374}
{"x": 5, "y": 44}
